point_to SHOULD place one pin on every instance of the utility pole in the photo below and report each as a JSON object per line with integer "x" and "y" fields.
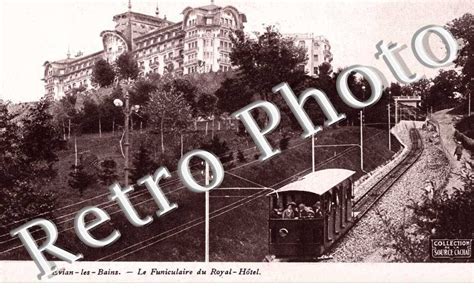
{"x": 313, "y": 165}
{"x": 361, "y": 140}
{"x": 389, "y": 136}
{"x": 126, "y": 135}
{"x": 362, "y": 133}
{"x": 469, "y": 101}
{"x": 206, "y": 255}
{"x": 396, "y": 111}
{"x": 127, "y": 104}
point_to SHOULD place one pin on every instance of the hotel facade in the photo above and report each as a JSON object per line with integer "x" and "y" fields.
{"x": 200, "y": 43}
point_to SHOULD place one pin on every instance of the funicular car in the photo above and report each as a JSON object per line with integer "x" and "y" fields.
{"x": 324, "y": 212}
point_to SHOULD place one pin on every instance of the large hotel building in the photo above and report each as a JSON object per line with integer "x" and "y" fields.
{"x": 199, "y": 43}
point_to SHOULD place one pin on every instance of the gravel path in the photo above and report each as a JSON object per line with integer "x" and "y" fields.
{"x": 446, "y": 123}
{"x": 364, "y": 242}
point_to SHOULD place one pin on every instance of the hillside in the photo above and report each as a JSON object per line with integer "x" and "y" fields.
{"x": 238, "y": 224}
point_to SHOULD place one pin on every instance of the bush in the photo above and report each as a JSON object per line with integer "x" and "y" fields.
{"x": 284, "y": 142}
{"x": 466, "y": 124}
{"x": 80, "y": 179}
{"x": 220, "y": 149}
{"x": 143, "y": 164}
{"x": 444, "y": 216}
{"x": 108, "y": 171}
{"x": 241, "y": 157}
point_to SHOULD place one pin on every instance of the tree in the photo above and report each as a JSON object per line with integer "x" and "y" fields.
{"x": 9, "y": 148}
{"x": 108, "y": 171}
{"x": 183, "y": 86}
{"x": 111, "y": 115}
{"x": 23, "y": 175}
{"x": 65, "y": 112}
{"x": 219, "y": 148}
{"x": 143, "y": 164}
{"x": 127, "y": 67}
{"x": 266, "y": 61}
{"x": 90, "y": 116}
{"x": 206, "y": 105}
{"x": 463, "y": 29}
{"x": 140, "y": 92}
{"x": 40, "y": 139}
{"x": 103, "y": 73}
{"x": 168, "y": 110}
{"x": 442, "y": 93}
{"x": 80, "y": 179}
{"x": 232, "y": 95}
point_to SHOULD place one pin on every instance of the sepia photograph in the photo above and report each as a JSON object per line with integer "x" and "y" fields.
{"x": 236, "y": 140}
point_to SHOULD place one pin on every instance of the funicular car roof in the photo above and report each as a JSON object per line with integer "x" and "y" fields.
{"x": 318, "y": 182}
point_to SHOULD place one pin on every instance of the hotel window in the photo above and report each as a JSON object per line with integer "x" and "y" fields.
{"x": 208, "y": 21}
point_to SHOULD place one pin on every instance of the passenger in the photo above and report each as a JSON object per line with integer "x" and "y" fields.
{"x": 289, "y": 212}
{"x": 276, "y": 213}
{"x": 305, "y": 212}
{"x": 318, "y": 211}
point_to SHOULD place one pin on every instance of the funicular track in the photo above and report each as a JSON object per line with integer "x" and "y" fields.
{"x": 376, "y": 192}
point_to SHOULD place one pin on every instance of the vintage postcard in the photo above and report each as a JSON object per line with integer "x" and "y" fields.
{"x": 236, "y": 141}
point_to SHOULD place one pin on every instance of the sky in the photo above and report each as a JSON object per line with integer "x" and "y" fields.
{"x": 32, "y": 32}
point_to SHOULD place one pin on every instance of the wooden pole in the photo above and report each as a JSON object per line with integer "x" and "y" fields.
{"x": 313, "y": 164}
{"x": 213, "y": 127}
{"x": 75, "y": 153}
{"x": 389, "y": 136}
{"x": 206, "y": 255}
{"x": 361, "y": 141}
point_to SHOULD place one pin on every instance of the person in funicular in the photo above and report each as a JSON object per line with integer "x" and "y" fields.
{"x": 330, "y": 204}
{"x": 305, "y": 212}
{"x": 289, "y": 212}
{"x": 317, "y": 208}
{"x": 276, "y": 212}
